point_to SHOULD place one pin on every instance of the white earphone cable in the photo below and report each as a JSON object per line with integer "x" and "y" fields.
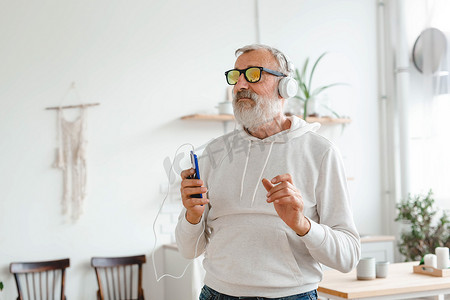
{"x": 156, "y": 218}
{"x": 159, "y": 211}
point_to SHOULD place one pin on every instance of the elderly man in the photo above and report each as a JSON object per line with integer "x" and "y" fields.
{"x": 275, "y": 203}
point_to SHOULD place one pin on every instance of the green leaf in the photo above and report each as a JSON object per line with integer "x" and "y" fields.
{"x": 331, "y": 110}
{"x": 304, "y": 79}
{"x": 298, "y": 77}
{"x": 1, "y": 286}
{"x": 305, "y": 91}
{"x": 305, "y": 66}
{"x": 305, "y": 109}
{"x": 322, "y": 88}
{"x": 314, "y": 68}
{"x": 300, "y": 98}
{"x": 424, "y": 234}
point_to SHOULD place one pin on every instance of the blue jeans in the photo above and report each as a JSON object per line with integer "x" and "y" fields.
{"x": 210, "y": 294}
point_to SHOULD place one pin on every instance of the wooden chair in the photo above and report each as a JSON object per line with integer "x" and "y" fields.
{"x": 40, "y": 280}
{"x": 119, "y": 277}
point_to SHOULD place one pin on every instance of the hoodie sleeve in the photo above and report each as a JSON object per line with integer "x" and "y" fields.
{"x": 334, "y": 241}
{"x": 191, "y": 238}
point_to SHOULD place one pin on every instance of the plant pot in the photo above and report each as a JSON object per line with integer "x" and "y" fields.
{"x": 312, "y": 107}
{"x": 293, "y": 107}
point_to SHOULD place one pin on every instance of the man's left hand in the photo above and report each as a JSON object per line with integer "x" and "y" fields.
{"x": 287, "y": 202}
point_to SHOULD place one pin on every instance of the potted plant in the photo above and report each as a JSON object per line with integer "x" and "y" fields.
{"x": 423, "y": 234}
{"x": 305, "y": 92}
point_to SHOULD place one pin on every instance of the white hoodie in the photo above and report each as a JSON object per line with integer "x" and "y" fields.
{"x": 249, "y": 250}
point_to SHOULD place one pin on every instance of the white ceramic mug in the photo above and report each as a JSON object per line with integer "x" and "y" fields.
{"x": 225, "y": 108}
{"x": 382, "y": 269}
{"x": 366, "y": 268}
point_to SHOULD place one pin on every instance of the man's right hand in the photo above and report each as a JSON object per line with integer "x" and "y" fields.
{"x": 189, "y": 187}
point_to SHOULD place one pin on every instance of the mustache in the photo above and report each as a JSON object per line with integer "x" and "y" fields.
{"x": 246, "y": 94}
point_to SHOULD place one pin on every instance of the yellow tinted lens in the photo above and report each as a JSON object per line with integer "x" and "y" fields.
{"x": 253, "y": 74}
{"x": 233, "y": 76}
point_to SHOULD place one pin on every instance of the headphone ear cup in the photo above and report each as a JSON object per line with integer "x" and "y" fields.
{"x": 287, "y": 87}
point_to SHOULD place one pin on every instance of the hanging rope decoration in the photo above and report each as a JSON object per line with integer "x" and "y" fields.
{"x": 71, "y": 156}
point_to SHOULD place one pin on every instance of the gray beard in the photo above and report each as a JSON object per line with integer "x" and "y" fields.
{"x": 265, "y": 110}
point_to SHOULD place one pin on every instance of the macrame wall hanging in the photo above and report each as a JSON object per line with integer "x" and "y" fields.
{"x": 71, "y": 156}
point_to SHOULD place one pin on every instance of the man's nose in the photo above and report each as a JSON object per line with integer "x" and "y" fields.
{"x": 241, "y": 84}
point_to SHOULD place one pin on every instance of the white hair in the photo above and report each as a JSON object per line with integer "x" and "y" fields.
{"x": 286, "y": 67}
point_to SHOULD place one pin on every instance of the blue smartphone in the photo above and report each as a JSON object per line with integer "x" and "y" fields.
{"x": 196, "y": 175}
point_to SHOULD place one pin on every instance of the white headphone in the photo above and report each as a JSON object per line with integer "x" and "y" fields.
{"x": 288, "y": 86}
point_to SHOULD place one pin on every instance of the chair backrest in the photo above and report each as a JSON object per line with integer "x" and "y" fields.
{"x": 40, "y": 280}
{"x": 119, "y": 277}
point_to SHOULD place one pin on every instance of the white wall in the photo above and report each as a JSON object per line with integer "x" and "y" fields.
{"x": 148, "y": 63}
{"x": 347, "y": 30}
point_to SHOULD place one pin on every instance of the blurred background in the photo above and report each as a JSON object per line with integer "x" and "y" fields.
{"x": 148, "y": 64}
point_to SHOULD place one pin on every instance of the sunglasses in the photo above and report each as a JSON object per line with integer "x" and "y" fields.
{"x": 252, "y": 74}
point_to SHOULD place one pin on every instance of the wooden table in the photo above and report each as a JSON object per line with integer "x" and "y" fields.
{"x": 401, "y": 283}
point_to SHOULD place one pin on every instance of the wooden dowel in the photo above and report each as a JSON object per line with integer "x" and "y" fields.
{"x": 107, "y": 283}
{"x": 54, "y": 283}
{"x": 40, "y": 284}
{"x": 131, "y": 282}
{"x": 73, "y": 106}
{"x": 34, "y": 284}
{"x": 28, "y": 285}
{"x": 119, "y": 290}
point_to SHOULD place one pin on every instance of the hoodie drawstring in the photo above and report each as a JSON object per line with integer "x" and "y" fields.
{"x": 245, "y": 169}
{"x": 260, "y": 175}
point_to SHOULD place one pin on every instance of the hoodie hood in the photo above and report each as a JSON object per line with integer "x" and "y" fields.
{"x": 298, "y": 128}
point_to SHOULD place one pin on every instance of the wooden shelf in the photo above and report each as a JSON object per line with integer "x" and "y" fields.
{"x": 328, "y": 120}
{"x": 376, "y": 238}
{"x": 205, "y": 117}
{"x": 209, "y": 117}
